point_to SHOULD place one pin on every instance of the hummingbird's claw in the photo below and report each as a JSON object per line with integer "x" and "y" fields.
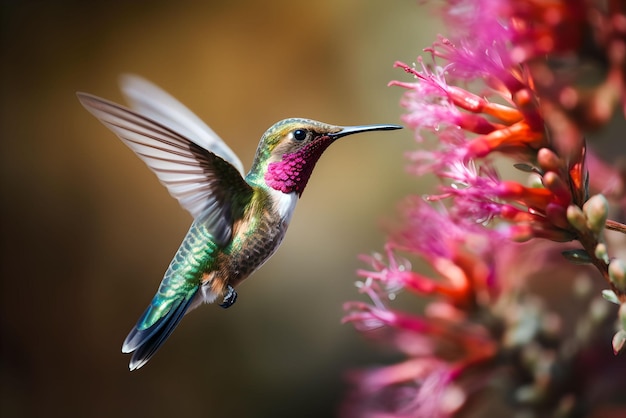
{"x": 230, "y": 298}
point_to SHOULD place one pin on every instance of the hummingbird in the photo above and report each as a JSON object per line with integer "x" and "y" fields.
{"x": 239, "y": 220}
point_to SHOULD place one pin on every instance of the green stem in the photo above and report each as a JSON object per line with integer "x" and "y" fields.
{"x": 589, "y": 242}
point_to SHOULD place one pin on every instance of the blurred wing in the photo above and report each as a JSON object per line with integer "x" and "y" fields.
{"x": 203, "y": 183}
{"x": 149, "y": 100}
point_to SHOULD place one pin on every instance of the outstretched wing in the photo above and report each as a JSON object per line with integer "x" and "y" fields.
{"x": 201, "y": 181}
{"x": 151, "y": 101}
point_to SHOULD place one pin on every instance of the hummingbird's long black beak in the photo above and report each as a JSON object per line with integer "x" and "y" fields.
{"x": 349, "y": 130}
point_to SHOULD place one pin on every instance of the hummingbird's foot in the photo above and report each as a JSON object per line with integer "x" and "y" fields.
{"x": 230, "y": 298}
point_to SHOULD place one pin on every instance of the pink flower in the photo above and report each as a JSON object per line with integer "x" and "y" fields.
{"x": 428, "y": 383}
{"x": 491, "y": 90}
{"x": 471, "y": 128}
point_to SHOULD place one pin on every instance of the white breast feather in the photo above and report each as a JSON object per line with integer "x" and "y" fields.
{"x": 284, "y": 203}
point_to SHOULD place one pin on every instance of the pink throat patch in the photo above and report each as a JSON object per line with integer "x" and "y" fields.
{"x": 292, "y": 173}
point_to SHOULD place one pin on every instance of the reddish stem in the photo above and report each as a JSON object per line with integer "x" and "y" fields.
{"x": 615, "y": 226}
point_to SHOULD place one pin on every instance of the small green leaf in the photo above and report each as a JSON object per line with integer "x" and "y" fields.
{"x": 578, "y": 256}
{"x": 610, "y": 296}
{"x": 526, "y": 168}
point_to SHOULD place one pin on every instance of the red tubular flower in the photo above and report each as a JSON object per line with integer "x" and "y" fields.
{"x": 470, "y": 127}
{"x": 480, "y": 323}
{"x": 462, "y": 257}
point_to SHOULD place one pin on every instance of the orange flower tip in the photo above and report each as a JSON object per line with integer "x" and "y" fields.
{"x": 512, "y": 190}
{"x": 448, "y": 269}
{"x": 548, "y": 160}
{"x": 508, "y": 115}
{"x": 596, "y": 211}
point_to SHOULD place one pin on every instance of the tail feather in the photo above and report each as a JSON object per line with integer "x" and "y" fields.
{"x": 144, "y": 343}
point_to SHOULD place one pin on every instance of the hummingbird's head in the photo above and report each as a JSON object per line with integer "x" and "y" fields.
{"x": 290, "y": 148}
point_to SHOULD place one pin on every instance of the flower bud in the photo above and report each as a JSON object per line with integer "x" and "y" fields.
{"x": 617, "y": 274}
{"x": 548, "y": 160}
{"x": 618, "y": 341}
{"x": 557, "y": 186}
{"x": 576, "y": 218}
{"x": 596, "y": 210}
{"x": 601, "y": 252}
{"x": 556, "y": 214}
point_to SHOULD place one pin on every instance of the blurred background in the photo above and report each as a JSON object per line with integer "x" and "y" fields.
{"x": 87, "y": 231}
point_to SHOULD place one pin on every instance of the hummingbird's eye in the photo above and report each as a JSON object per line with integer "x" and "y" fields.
{"x": 299, "y": 134}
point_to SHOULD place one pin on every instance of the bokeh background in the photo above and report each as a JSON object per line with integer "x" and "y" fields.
{"x": 87, "y": 231}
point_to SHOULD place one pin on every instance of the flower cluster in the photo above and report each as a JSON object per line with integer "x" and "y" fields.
{"x": 445, "y": 343}
{"x": 507, "y": 84}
